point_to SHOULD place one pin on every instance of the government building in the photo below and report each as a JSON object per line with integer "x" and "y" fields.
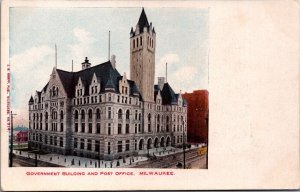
{"x": 98, "y": 113}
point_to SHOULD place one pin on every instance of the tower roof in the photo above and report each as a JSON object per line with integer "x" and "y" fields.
{"x": 143, "y": 21}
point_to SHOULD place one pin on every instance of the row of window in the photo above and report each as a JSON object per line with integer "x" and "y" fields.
{"x": 51, "y": 140}
{"x": 39, "y": 126}
{"x": 39, "y": 117}
{"x": 138, "y": 41}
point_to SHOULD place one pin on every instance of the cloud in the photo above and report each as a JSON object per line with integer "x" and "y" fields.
{"x": 28, "y": 74}
{"x": 171, "y": 59}
{"x": 82, "y": 47}
{"x": 180, "y": 75}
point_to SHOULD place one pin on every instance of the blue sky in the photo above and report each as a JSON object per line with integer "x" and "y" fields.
{"x": 181, "y": 36}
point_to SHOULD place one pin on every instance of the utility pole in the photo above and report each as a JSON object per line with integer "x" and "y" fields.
{"x": 183, "y": 147}
{"x": 11, "y": 140}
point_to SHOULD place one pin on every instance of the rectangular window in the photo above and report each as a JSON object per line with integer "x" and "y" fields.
{"x": 97, "y": 146}
{"x": 127, "y": 128}
{"x": 61, "y": 127}
{"x": 61, "y": 143}
{"x": 119, "y": 146}
{"x": 109, "y": 113}
{"x": 51, "y": 140}
{"x": 127, "y": 145}
{"x": 109, "y": 129}
{"x": 76, "y": 127}
{"x": 98, "y": 128}
{"x": 89, "y": 145}
{"x": 119, "y": 128}
{"x": 108, "y": 148}
{"x": 46, "y": 127}
{"x": 55, "y": 141}
{"x": 46, "y": 139}
{"x": 75, "y": 142}
{"x": 140, "y": 128}
{"x": 90, "y": 127}
{"x": 149, "y": 127}
{"x": 81, "y": 143}
{"x": 135, "y": 128}
{"x": 83, "y": 127}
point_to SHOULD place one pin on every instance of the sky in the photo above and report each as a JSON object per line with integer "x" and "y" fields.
{"x": 181, "y": 41}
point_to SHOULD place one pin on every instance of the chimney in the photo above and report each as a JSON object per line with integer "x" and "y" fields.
{"x": 161, "y": 82}
{"x": 113, "y": 61}
{"x": 85, "y": 64}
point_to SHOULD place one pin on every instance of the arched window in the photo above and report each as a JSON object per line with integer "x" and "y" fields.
{"x": 61, "y": 115}
{"x": 158, "y": 118}
{"x": 54, "y": 114}
{"x": 140, "y": 116}
{"x": 149, "y": 118}
{"x": 167, "y": 119}
{"x": 120, "y": 114}
{"x": 41, "y": 117}
{"x": 127, "y": 114}
{"x": 82, "y": 114}
{"x": 90, "y": 113}
{"x": 76, "y": 114}
{"x": 133, "y": 43}
{"x": 46, "y": 115}
{"x": 98, "y": 115}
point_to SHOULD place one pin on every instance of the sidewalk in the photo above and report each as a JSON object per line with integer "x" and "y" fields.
{"x": 83, "y": 162}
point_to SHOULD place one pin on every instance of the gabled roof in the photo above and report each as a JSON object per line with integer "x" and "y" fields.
{"x": 168, "y": 95}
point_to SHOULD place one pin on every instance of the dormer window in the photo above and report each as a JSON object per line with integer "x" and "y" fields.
{"x": 95, "y": 85}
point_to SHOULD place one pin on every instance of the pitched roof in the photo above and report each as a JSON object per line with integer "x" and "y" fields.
{"x": 143, "y": 21}
{"x": 108, "y": 76}
{"x": 20, "y": 129}
{"x": 168, "y": 95}
{"x": 31, "y": 99}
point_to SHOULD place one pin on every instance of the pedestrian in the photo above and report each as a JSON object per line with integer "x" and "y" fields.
{"x": 105, "y": 165}
{"x": 91, "y": 162}
{"x": 95, "y": 164}
{"x": 65, "y": 160}
{"x": 79, "y": 162}
{"x": 85, "y": 164}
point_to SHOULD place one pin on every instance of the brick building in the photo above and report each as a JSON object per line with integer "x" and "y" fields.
{"x": 197, "y": 116}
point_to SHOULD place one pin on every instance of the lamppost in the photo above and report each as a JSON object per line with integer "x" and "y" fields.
{"x": 99, "y": 155}
{"x": 11, "y": 140}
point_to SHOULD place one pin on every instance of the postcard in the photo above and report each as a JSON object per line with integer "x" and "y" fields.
{"x": 170, "y": 95}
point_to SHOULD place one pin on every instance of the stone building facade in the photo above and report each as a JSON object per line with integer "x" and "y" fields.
{"x": 97, "y": 113}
